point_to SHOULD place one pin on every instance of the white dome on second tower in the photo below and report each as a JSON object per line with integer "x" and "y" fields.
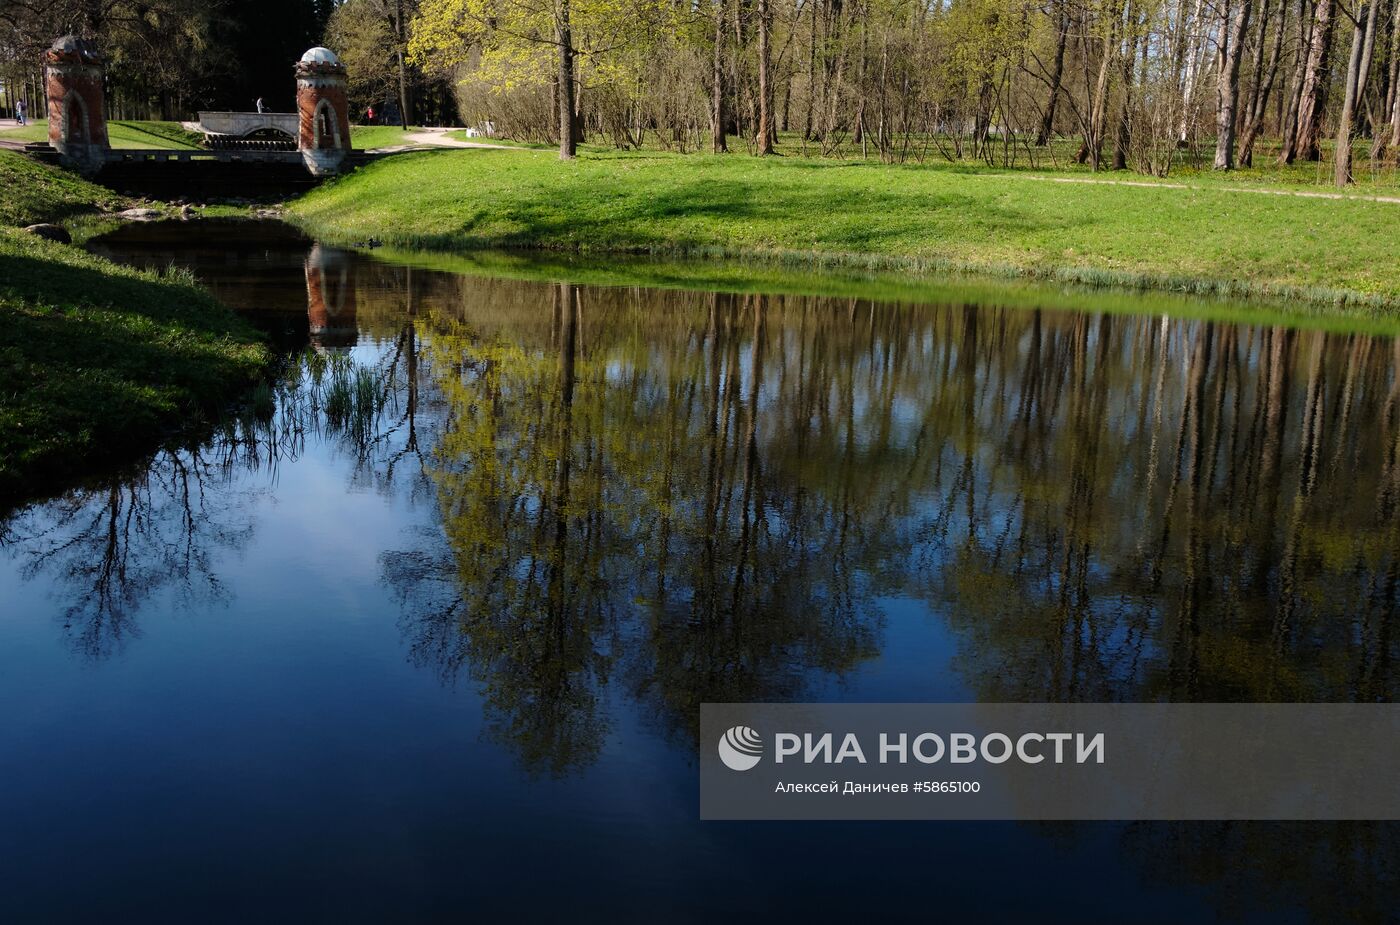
{"x": 319, "y": 55}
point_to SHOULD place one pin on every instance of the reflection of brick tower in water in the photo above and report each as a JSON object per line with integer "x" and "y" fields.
{"x": 323, "y": 135}
{"x": 77, "y": 120}
{"x": 330, "y": 299}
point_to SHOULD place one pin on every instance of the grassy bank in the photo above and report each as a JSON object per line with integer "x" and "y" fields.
{"x": 98, "y": 362}
{"x": 1206, "y": 239}
{"x": 37, "y": 193}
{"x": 772, "y": 278}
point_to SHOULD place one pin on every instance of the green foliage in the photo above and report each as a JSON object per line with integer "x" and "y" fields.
{"x": 1205, "y": 239}
{"x": 362, "y": 34}
{"x": 515, "y": 44}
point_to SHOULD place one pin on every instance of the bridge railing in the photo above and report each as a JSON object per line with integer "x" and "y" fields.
{"x": 233, "y": 143}
{"x": 244, "y": 123}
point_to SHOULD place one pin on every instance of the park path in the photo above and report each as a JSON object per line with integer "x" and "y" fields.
{"x": 437, "y": 138}
{"x": 1153, "y": 184}
{"x": 10, "y": 144}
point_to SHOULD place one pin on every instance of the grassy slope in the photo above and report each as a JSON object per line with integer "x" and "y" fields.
{"x": 97, "y": 361}
{"x": 35, "y": 193}
{"x": 364, "y": 137}
{"x": 125, "y": 135}
{"x": 1374, "y": 177}
{"x": 1202, "y": 240}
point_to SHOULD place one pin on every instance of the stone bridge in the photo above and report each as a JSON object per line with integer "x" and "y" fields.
{"x": 242, "y": 124}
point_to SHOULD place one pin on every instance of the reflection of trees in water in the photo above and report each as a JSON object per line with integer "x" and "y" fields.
{"x": 164, "y": 528}
{"x": 1189, "y": 511}
{"x": 1325, "y": 871}
{"x": 105, "y": 551}
{"x": 1105, "y": 507}
{"x": 605, "y": 514}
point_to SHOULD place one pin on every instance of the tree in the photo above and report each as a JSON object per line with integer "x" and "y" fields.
{"x": 512, "y": 43}
{"x": 1362, "y": 46}
{"x": 371, "y": 37}
{"x": 1313, "y": 97}
{"x": 1231, "y": 52}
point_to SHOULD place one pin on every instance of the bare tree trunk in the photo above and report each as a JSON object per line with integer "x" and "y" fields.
{"x": 1057, "y": 74}
{"x": 1091, "y": 151}
{"x": 1289, "y": 126}
{"x": 1264, "y": 82}
{"x": 568, "y": 118}
{"x": 1192, "y": 63}
{"x": 401, "y": 39}
{"x": 765, "y": 88}
{"x": 1395, "y": 90}
{"x": 1123, "y": 138}
{"x": 1361, "y": 44}
{"x": 1384, "y": 132}
{"x": 1314, "y": 96}
{"x": 718, "y": 145}
{"x": 1228, "y": 89}
{"x": 1393, "y": 81}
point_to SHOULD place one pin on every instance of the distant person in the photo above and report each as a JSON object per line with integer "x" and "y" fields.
{"x": 19, "y": 112}
{"x": 369, "y": 115}
{"x": 261, "y": 107}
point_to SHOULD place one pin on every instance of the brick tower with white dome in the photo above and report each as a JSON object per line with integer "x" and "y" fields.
{"x": 323, "y": 110}
{"x": 77, "y": 119}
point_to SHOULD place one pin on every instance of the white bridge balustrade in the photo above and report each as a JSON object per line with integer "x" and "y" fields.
{"x": 242, "y": 124}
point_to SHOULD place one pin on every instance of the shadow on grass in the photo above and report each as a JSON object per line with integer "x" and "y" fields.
{"x": 857, "y": 220}
{"x": 100, "y": 364}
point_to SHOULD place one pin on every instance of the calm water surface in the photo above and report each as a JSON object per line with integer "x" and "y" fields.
{"x": 426, "y": 633}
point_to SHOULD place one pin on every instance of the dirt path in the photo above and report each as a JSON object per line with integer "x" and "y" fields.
{"x": 1147, "y": 184}
{"x": 437, "y": 138}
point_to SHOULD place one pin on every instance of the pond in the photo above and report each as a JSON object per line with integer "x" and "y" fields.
{"x": 426, "y": 631}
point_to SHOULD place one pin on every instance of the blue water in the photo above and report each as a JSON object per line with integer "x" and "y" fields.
{"x": 314, "y": 675}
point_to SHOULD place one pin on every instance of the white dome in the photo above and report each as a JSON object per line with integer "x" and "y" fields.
{"x": 319, "y": 55}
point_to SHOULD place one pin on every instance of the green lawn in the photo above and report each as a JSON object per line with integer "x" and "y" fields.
{"x": 98, "y": 362}
{"x": 125, "y": 135}
{"x": 1203, "y": 239}
{"x": 365, "y": 137}
{"x": 1190, "y": 164}
{"x": 36, "y": 193}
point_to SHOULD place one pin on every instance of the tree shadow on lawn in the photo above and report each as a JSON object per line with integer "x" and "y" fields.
{"x": 862, "y": 220}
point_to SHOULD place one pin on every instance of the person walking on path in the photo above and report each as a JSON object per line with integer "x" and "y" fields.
{"x": 19, "y": 112}
{"x": 260, "y": 106}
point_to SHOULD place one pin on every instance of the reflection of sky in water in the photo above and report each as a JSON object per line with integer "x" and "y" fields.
{"x": 289, "y": 731}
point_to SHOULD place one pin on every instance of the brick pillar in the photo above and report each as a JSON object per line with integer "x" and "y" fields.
{"x": 77, "y": 117}
{"x": 323, "y": 111}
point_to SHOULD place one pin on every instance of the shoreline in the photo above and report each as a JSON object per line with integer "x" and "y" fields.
{"x": 1298, "y": 301}
{"x": 1288, "y": 251}
{"x": 101, "y": 364}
